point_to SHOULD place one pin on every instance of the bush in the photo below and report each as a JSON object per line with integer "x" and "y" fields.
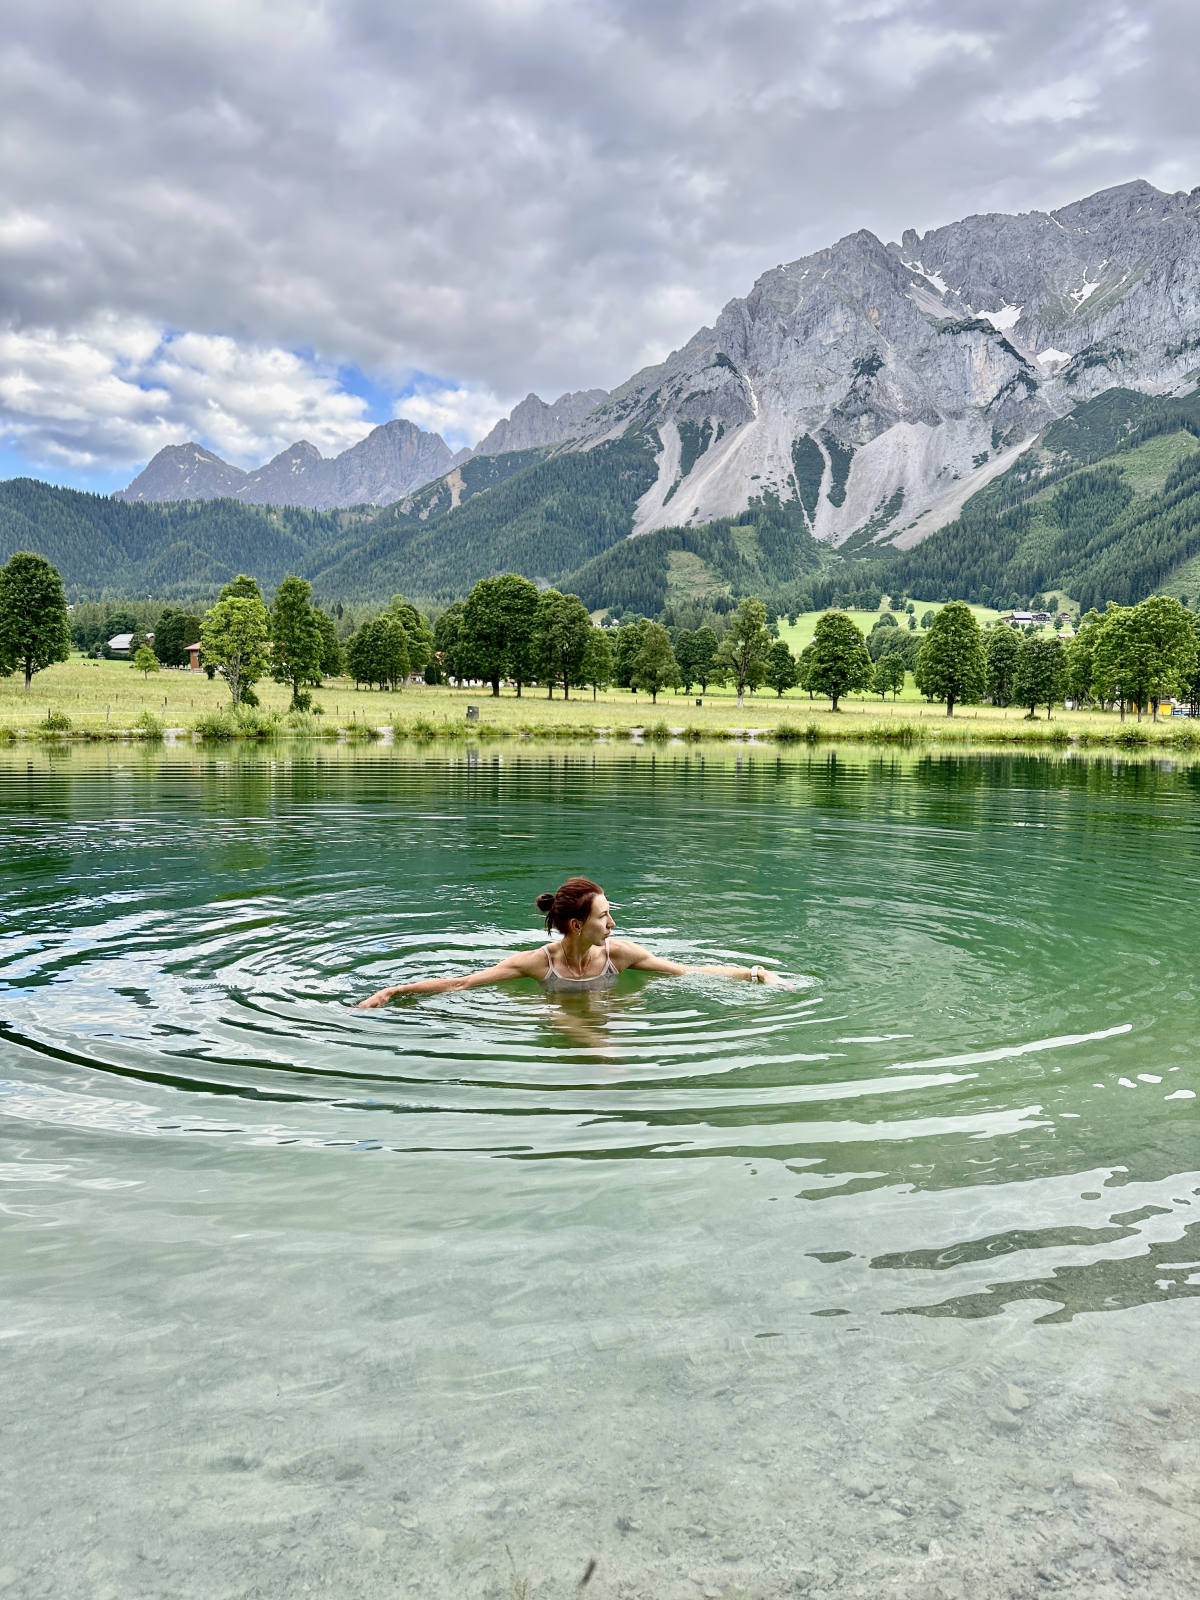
{"x": 146, "y": 722}
{"x": 57, "y": 722}
{"x": 255, "y": 724}
{"x": 302, "y": 701}
{"x": 215, "y": 725}
{"x": 660, "y": 733}
{"x": 788, "y": 733}
{"x": 422, "y": 728}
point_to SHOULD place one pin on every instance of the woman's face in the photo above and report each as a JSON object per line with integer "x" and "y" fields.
{"x": 599, "y": 923}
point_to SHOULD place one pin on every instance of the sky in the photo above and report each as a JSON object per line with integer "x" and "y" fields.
{"x": 252, "y": 221}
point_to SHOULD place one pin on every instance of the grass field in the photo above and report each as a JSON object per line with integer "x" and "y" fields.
{"x": 806, "y": 625}
{"x": 105, "y": 698}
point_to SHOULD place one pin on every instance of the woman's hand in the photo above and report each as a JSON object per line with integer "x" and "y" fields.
{"x": 375, "y": 1001}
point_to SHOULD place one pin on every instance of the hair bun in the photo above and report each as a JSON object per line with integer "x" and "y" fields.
{"x": 544, "y": 902}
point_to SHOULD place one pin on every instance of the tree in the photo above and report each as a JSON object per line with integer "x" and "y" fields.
{"x": 655, "y": 666}
{"x": 378, "y": 652}
{"x": 417, "y": 632}
{"x": 563, "y": 626}
{"x": 889, "y": 674}
{"x": 1002, "y": 652}
{"x": 628, "y": 643}
{"x": 1081, "y": 658}
{"x": 927, "y": 620}
{"x": 839, "y": 663}
{"x": 333, "y": 663}
{"x": 235, "y": 633}
{"x": 1193, "y": 683}
{"x": 781, "y": 668}
{"x": 498, "y": 626}
{"x": 1115, "y": 664}
{"x": 597, "y": 665}
{"x": 685, "y": 655}
{"x": 744, "y": 650}
{"x": 173, "y": 632}
{"x": 1041, "y": 673}
{"x": 448, "y": 643}
{"x": 704, "y": 656}
{"x": 145, "y": 662}
{"x": 951, "y": 665}
{"x": 1165, "y": 647}
{"x": 34, "y": 630}
{"x": 804, "y": 663}
{"x": 240, "y": 588}
{"x": 295, "y": 638}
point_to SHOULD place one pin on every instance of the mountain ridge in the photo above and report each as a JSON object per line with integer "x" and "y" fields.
{"x": 392, "y": 461}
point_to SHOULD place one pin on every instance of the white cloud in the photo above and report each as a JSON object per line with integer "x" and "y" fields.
{"x": 461, "y": 416}
{"x": 118, "y": 389}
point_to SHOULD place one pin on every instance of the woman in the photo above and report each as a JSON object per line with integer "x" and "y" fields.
{"x": 587, "y": 957}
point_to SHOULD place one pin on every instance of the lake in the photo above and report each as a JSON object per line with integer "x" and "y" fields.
{"x": 885, "y": 1285}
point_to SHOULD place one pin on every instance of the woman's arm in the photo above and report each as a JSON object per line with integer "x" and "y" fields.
{"x": 627, "y": 954}
{"x": 525, "y": 964}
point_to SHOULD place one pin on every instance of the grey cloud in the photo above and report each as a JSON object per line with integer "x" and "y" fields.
{"x": 538, "y": 195}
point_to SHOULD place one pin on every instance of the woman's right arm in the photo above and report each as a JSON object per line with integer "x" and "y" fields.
{"x": 525, "y": 964}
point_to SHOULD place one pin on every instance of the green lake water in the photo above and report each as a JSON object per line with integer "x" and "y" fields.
{"x": 886, "y": 1285}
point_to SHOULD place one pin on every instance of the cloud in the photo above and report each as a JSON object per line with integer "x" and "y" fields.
{"x": 119, "y": 389}
{"x": 461, "y": 415}
{"x": 501, "y": 195}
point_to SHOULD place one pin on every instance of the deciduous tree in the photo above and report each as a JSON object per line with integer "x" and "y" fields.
{"x": 747, "y": 643}
{"x": 655, "y": 666}
{"x": 781, "y": 668}
{"x": 234, "y": 634}
{"x": 34, "y": 630}
{"x": 951, "y": 665}
{"x": 295, "y": 637}
{"x": 1165, "y": 645}
{"x": 1041, "y": 673}
{"x": 417, "y": 632}
{"x": 889, "y": 674}
{"x": 499, "y": 622}
{"x": 1002, "y": 652}
{"x": 145, "y": 662}
{"x": 839, "y": 663}
{"x": 378, "y": 652}
{"x": 563, "y": 625}
{"x": 597, "y": 667}
{"x": 704, "y": 656}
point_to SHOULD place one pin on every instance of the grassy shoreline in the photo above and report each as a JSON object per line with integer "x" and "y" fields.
{"x": 90, "y": 701}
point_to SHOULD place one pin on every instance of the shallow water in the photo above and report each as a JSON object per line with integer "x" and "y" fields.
{"x": 883, "y": 1286}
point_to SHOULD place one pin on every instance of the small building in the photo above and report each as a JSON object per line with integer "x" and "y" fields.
{"x": 193, "y": 654}
{"x": 120, "y": 642}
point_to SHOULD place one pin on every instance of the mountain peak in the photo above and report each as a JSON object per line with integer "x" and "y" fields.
{"x": 533, "y": 422}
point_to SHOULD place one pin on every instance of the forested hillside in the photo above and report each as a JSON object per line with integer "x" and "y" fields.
{"x": 543, "y": 520}
{"x": 107, "y": 547}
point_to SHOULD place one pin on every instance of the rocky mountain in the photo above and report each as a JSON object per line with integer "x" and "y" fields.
{"x": 185, "y": 472}
{"x": 880, "y": 385}
{"x": 391, "y": 461}
{"x": 534, "y": 423}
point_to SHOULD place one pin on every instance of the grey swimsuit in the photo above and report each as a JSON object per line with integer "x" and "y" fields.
{"x": 559, "y": 983}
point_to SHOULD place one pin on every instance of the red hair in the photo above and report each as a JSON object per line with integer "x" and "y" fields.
{"x": 571, "y": 902}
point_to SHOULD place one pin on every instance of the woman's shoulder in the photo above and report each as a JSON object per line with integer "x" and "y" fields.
{"x": 624, "y": 950}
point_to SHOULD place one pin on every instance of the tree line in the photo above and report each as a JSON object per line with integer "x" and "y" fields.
{"x": 1129, "y": 657}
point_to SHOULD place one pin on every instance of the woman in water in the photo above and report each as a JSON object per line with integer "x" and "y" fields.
{"x": 586, "y": 958}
